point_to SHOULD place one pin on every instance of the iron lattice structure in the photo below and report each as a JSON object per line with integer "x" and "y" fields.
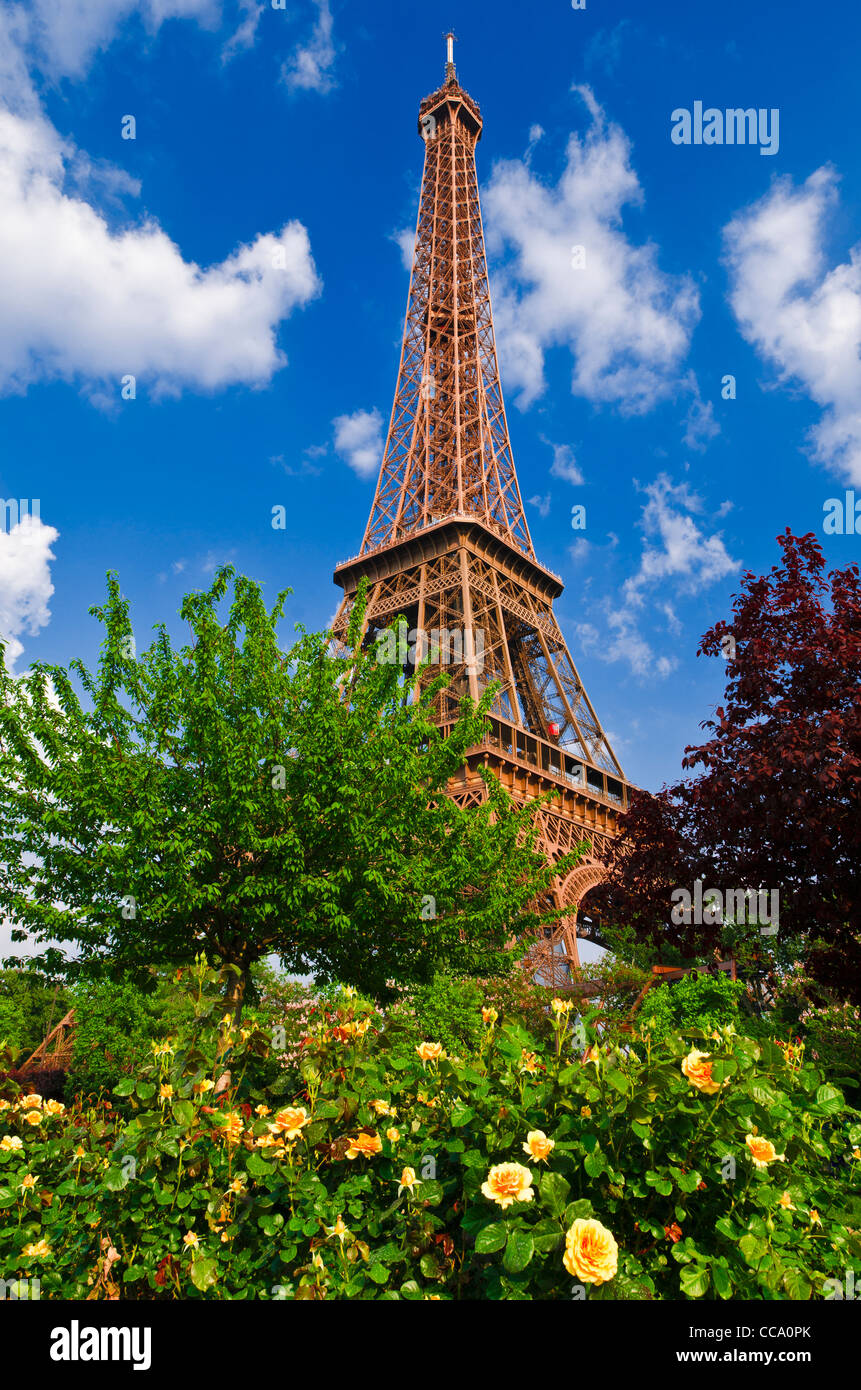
{"x": 447, "y": 544}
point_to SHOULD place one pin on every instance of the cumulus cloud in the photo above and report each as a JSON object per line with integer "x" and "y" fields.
{"x": 679, "y": 557}
{"x": 359, "y": 440}
{"x": 83, "y": 303}
{"x": 626, "y": 322}
{"x": 88, "y": 301}
{"x": 803, "y": 318}
{"x": 675, "y": 547}
{"x": 564, "y": 464}
{"x": 25, "y": 581}
{"x": 310, "y": 68}
{"x": 541, "y": 504}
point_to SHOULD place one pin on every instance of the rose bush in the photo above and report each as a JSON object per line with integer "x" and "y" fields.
{"x": 697, "y": 1167}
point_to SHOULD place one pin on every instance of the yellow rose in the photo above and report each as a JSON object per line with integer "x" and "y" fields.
{"x": 393, "y": 1135}
{"x": 382, "y": 1107}
{"x": 762, "y": 1151}
{"x": 507, "y": 1183}
{"x": 430, "y": 1052}
{"x": 201, "y": 1087}
{"x": 33, "y": 1117}
{"x": 408, "y": 1181}
{"x": 698, "y": 1069}
{"x": 528, "y": 1062}
{"x": 364, "y": 1146}
{"x": 290, "y": 1121}
{"x": 591, "y": 1252}
{"x": 234, "y": 1127}
{"x": 538, "y": 1145}
{"x": 10, "y": 1142}
{"x": 339, "y": 1230}
{"x": 54, "y": 1107}
{"x": 31, "y": 1102}
{"x": 39, "y": 1250}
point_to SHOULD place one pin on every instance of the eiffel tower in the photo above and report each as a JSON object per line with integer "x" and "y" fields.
{"x": 447, "y": 544}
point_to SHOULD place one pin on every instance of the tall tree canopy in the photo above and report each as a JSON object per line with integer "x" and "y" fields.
{"x": 776, "y": 802}
{"x": 234, "y": 798}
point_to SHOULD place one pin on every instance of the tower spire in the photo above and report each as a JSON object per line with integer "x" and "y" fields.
{"x": 450, "y": 70}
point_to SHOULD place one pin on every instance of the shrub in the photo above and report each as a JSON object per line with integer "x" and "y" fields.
{"x": 698, "y": 1167}
{"x": 695, "y": 1001}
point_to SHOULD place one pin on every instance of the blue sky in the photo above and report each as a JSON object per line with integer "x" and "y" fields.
{"x": 244, "y": 258}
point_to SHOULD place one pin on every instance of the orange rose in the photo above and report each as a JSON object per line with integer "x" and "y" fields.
{"x": 538, "y": 1146}
{"x": 234, "y": 1127}
{"x": 290, "y": 1121}
{"x": 507, "y": 1183}
{"x": 430, "y": 1052}
{"x": 698, "y": 1069}
{"x": 528, "y": 1062}
{"x": 31, "y": 1102}
{"x": 762, "y": 1151}
{"x": 364, "y": 1146}
{"x": 591, "y": 1252}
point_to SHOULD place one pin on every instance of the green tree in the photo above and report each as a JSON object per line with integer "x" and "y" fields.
{"x": 30, "y": 1006}
{"x": 233, "y": 798}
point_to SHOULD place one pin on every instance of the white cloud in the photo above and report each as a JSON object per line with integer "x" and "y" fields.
{"x": 564, "y": 464}
{"x": 626, "y": 322}
{"x": 81, "y": 302}
{"x": 803, "y": 319}
{"x": 684, "y": 554}
{"x": 310, "y": 68}
{"x": 246, "y": 31}
{"x": 359, "y": 440}
{"x": 700, "y": 423}
{"x": 25, "y": 581}
{"x": 678, "y": 557}
{"x": 406, "y": 240}
{"x": 541, "y": 504}
{"x": 67, "y": 35}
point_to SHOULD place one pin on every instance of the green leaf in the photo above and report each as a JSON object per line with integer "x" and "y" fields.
{"x": 272, "y": 1222}
{"x": 829, "y": 1099}
{"x": 694, "y": 1280}
{"x": 618, "y": 1080}
{"x": 721, "y": 1281}
{"x": 580, "y": 1210}
{"x": 115, "y": 1178}
{"x": 491, "y": 1238}
{"x": 554, "y": 1190}
{"x": 379, "y": 1273}
{"x": 518, "y": 1251}
{"x": 461, "y": 1114}
{"x": 410, "y": 1290}
{"x": 146, "y": 1090}
{"x": 125, "y": 1086}
{"x": 797, "y": 1285}
{"x": 752, "y": 1248}
{"x": 183, "y": 1112}
{"x": 203, "y": 1274}
{"x": 546, "y": 1236}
